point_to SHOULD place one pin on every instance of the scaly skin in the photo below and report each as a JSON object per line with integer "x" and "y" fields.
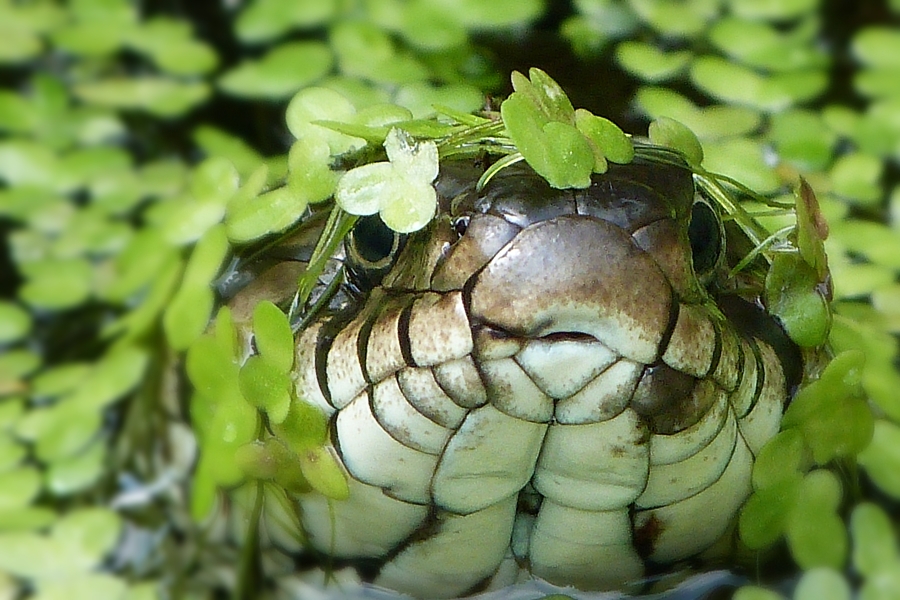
{"x": 539, "y": 382}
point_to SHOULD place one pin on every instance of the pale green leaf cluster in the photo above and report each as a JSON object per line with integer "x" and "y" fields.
{"x": 563, "y": 145}
{"x": 235, "y": 389}
{"x": 828, "y": 420}
{"x": 399, "y": 190}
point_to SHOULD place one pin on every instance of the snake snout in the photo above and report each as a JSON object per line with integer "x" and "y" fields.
{"x": 575, "y": 278}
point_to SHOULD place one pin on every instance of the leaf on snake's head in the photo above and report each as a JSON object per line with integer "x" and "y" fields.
{"x": 812, "y": 230}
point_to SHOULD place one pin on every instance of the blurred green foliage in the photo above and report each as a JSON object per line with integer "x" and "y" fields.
{"x": 141, "y": 142}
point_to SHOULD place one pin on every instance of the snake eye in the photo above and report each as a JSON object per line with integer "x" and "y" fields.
{"x": 707, "y": 238}
{"x": 372, "y": 244}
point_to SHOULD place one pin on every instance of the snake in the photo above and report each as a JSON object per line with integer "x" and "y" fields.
{"x": 558, "y": 384}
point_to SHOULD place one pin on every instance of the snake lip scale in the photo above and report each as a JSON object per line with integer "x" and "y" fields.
{"x": 541, "y": 383}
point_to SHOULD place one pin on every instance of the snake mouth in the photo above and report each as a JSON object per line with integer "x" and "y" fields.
{"x": 491, "y": 342}
{"x": 501, "y": 334}
{"x": 556, "y": 366}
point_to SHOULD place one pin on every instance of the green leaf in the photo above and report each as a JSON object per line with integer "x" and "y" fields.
{"x": 793, "y": 295}
{"x": 365, "y": 51}
{"x": 19, "y": 487}
{"x": 273, "y": 336}
{"x": 412, "y": 208}
{"x": 12, "y": 453}
{"x": 160, "y": 96}
{"x": 57, "y": 284}
{"x": 802, "y": 137}
{"x": 304, "y": 427}
{"x": 15, "y": 364}
{"x": 355, "y": 41}
{"x": 876, "y": 242}
{"x": 68, "y": 429}
{"x": 744, "y": 160}
{"x": 168, "y": 43}
{"x": 431, "y": 27}
{"x": 857, "y": 176}
{"x": 749, "y": 592}
{"x": 262, "y": 459}
{"x": 764, "y": 516}
{"x": 413, "y": 160}
{"x": 271, "y": 460}
{"x": 674, "y": 19}
{"x": 225, "y": 333}
{"x": 254, "y": 185}
{"x": 607, "y": 141}
{"x": 831, "y": 412}
{"x": 557, "y": 151}
{"x": 268, "y": 213}
{"x": 884, "y": 587}
{"x": 265, "y": 20}
{"x": 324, "y": 473}
{"x": 59, "y": 379}
{"x": 881, "y": 459}
{"x": 15, "y": 322}
{"x": 18, "y": 46}
{"x": 309, "y": 171}
{"x": 321, "y": 104}
{"x": 210, "y": 366}
{"x": 17, "y": 115}
{"x": 214, "y": 181}
{"x": 649, "y": 63}
{"x": 709, "y": 123}
{"x": 672, "y": 134}
{"x": 26, "y": 518}
{"x": 203, "y": 489}
{"x": 498, "y": 13}
{"x": 90, "y": 532}
{"x": 550, "y": 97}
{"x": 877, "y": 46}
{"x": 226, "y": 423}
{"x": 874, "y": 542}
{"x": 783, "y": 458}
{"x": 422, "y": 98}
{"x": 763, "y": 46}
{"x": 280, "y": 73}
{"x": 822, "y": 584}
{"x": 73, "y": 474}
{"x": 187, "y": 314}
{"x": 115, "y": 374}
{"x": 190, "y": 219}
{"x": 736, "y": 84}
{"x": 84, "y": 587}
{"x": 217, "y": 142}
{"x": 775, "y": 10}
{"x": 811, "y": 231}
{"x": 24, "y": 162}
{"x": 815, "y": 534}
{"x": 145, "y": 316}
{"x": 361, "y": 191}
{"x": 266, "y": 386}
{"x": 878, "y": 82}
{"x": 207, "y": 257}
{"x": 360, "y": 93}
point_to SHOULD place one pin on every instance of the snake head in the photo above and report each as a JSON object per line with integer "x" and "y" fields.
{"x": 552, "y": 373}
